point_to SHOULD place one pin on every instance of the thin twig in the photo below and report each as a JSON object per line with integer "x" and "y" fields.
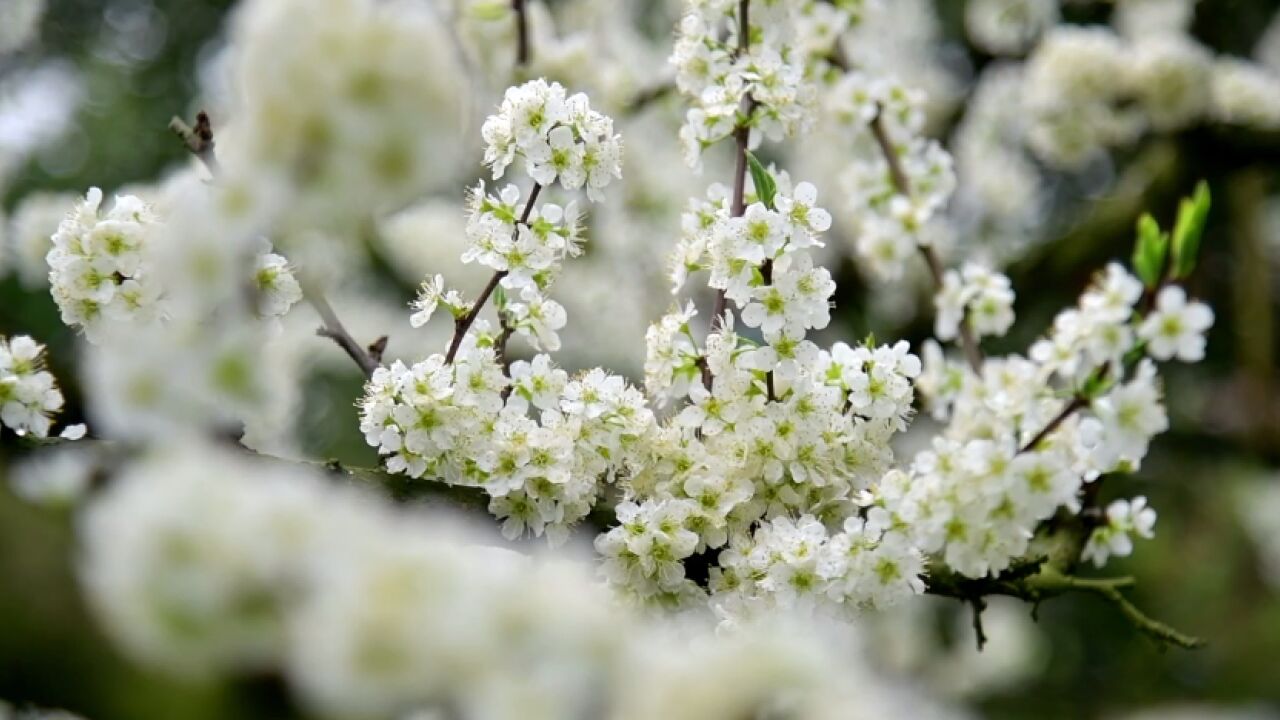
{"x": 1076, "y": 403}
{"x": 1047, "y": 582}
{"x": 968, "y": 341}
{"x": 464, "y": 323}
{"x": 648, "y": 96}
{"x": 741, "y": 138}
{"x": 980, "y": 636}
{"x": 198, "y": 140}
{"x": 333, "y": 329}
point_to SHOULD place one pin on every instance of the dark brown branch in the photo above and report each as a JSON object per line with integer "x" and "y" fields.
{"x": 464, "y": 323}
{"x": 978, "y": 604}
{"x": 523, "y": 50}
{"x": 968, "y": 341}
{"x": 741, "y": 138}
{"x": 377, "y": 348}
{"x": 1077, "y": 402}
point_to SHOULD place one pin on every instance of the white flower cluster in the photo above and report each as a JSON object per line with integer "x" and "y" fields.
{"x": 1012, "y": 454}
{"x": 466, "y": 423}
{"x": 1246, "y": 94}
{"x": 888, "y": 225}
{"x": 102, "y": 268}
{"x": 538, "y": 442}
{"x": 1112, "y": 538}
{"x": 560, "y": 138}
{"x": 1008, "y": 27}
{"x": 757, "y": 82}
{"x": 331, "y": 101}
{"x": 29, "y": 396}
{"x": 99, "y": 269}
{"x": 528, "y": 249}
{"x": 31, "y": 228}
{"x": 205, "y": 562}
{"x": 1078, "y": 82}
{"x": 975, "y": 295}
{"x": 773, "y": 441}
{"x": 796, "y": 563}
{"x": 1082, "y": 84}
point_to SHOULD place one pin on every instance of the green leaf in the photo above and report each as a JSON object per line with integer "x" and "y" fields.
{"x": 1193, "y": 214}
{"x": 500, "y": 297}
{"x": 1150, "y": 251}
{"x": 766, "y": 188}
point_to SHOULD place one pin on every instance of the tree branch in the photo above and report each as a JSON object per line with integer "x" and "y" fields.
{"x": 968, "y": 342}
{"x": 1077, "y": 402}
{"x": 741, "y": 139}
{"x": 464, "y": 323}
{"x": 332, "y": 328}
{"x": 199, "y": 142}
{"x": 1046, "y": 582}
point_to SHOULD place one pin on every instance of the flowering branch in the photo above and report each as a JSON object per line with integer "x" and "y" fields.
{"x": 741, "y": 138}
{"x": 464, "y": 323}
{"x": 968, "y": 342}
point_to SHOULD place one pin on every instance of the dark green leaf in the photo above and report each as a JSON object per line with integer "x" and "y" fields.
{"x": 766, "y": 188}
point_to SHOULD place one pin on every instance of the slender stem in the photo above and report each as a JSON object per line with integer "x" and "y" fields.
{"x": 1162, "y": 633}
{"x": 978, "y": 604}
{"x": 1045, "y": 583}
{"x": 968, "y": 341}
{"x": 523, "y": 51}
{"x": 198, "y": 140}
{"x": 1077, "y": 402}
{"x": 464, "y": 323}
{"x": 737, "y": 206}
{"x": 741, "y": 138}
{"x": 333, "y": 329}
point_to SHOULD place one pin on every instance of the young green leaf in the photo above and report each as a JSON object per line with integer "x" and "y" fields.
{"x": 766, "y": 188}
{"x": 1193, "y": 214}
{"x": 1150, "y": 251}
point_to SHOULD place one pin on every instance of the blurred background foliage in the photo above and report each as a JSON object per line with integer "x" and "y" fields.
{"x": 140, "y": 62}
